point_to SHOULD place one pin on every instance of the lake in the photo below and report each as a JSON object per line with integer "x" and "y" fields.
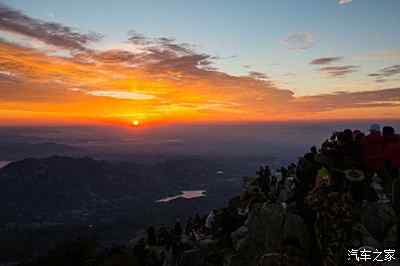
{"x": 188, "y": 194}
{"x": 4, "y": 163}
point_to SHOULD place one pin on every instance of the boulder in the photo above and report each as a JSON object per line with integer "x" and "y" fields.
{"x": 361, "y": 237}
{"x": 390, "y": 238}
{"x": 294, "y": 227}
{"x": 270, "y": 259}
{"x": 207, "y": 243}
{"x": 193, "y": 257}
{"x": 239, "y": 236}
{"x": 265, "y": 227}
{"x": 268, "y": 226}
{"x": 378, "y": 218}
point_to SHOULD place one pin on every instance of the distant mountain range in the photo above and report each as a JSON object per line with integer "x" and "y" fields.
{"x": 11, "y": 150}
{"x": 46, "y": 197}
{"x": 65, "y": 187}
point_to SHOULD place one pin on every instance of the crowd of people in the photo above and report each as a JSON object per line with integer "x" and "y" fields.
{"x": 164, "y": 246}
{"x": 334, "y": 184}
{"x": 327, "y": 188}
{"x": 330, "y": 186}
{"x": 160, "y": 247}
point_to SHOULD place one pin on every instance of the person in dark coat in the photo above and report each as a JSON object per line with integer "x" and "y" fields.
{"x": 391, "y": 157}
{"x": 178, "y": 229}
{"x": 391, "y": 148}
{"x": 189, "y": 227}
{"x": 396, "y": 203}
{"x": 151, "y": 236}
{"x": 264, "y": 176}
{"x": 373, "y": 150}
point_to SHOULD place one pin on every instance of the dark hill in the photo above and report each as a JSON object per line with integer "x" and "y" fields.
{"x": 67, "y": 190}
{"x": 17, "y": 150}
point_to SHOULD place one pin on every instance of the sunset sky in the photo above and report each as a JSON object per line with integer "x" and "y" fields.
{"x": 198, "y": 61}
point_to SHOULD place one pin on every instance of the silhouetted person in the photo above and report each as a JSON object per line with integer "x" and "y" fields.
{"x": 177, "y": 251}
{"x": 151, "y": 236}
{"x": 197, "y": 223}
{"x": 273, "y": 184}
{"x": 391, "y": 156}
{"x": 264, "y": 175}
{"x": 189, "y": 227}
{"x": 373, "y": 150}
{"x": 139, "y": 250}
{"x": 306, "y": 173}
{"x": 178, "y": 229}
{"x": 358, "y": 148}
{"x": 210, "y": 222}
{"x": 348, "y": 141}
{"x": 388, "y": 135}
{"x": 348, "y": 135}
{"x": 292, "y": 169}
{"x": 396, "y": 203}
{"x": 163, "y": 236}
{"x": 314, "y": 150}
{"x": 355, "y": 180}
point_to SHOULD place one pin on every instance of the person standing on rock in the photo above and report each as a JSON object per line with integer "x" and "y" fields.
{"x": 396, "y": 204}
{"x": 178, "y": 229}
{"x": 197, "y": 222}
{"x": 391, "y": 156}
{"x": 373, "y": 150}
{"x": 210, "y": 221}
{"x": 264, "y": 175}
{"x": 189, "y": 228}
{"x": 151, "y": 236}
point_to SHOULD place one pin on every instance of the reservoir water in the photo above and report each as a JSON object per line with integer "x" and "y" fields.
{"x": 187, "y": 194}
{"x": 4, "y": 163}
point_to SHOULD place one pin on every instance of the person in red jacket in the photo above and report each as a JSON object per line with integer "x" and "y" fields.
{"x": 392, "y": 165}
{"x": 390, "y": 156}
{"x": 373, "y": 150}
{"x": 389, "y": 136}
{"x": 392, "y": 149}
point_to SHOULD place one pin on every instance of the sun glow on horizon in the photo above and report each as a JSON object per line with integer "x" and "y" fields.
{"x": 53, "y": 73}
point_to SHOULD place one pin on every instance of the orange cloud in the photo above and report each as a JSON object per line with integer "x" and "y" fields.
{"x": 157, "y": 80}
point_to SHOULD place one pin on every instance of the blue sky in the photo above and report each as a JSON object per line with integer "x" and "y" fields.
{"x": 252, "y": 31}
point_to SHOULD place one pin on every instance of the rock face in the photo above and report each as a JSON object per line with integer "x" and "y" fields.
{"x": 192, "y": 257}
{"x": 269, "y": 226}
{"x": 239, "y": 236}
{"x": 362, "y": 237}
{"x": 378, "y": 219}
{"x": 263, "y": 240}
{"x": 390, "y": 240}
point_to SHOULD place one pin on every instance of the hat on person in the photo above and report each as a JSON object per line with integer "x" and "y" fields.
{"x": 375, "y": 127}
{"x": 354, "y": 175}
{"x": 324, "y": 176}
{"x": 323, "y": 172}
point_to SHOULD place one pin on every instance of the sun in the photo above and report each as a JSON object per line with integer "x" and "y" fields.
{"x": 135, "y": 123}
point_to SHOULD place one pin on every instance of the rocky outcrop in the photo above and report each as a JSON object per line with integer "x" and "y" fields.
{"x": 378, "y": 219}
{"x": 239, "y": 236}
{"x": 390, "y": 238}
{"x": 361, "y": 237}
{"x": 193, "y": 257}
{"x": 269, "y": 227}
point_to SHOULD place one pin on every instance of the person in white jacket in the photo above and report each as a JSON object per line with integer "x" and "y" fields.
{"x": 210, "y": 221}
